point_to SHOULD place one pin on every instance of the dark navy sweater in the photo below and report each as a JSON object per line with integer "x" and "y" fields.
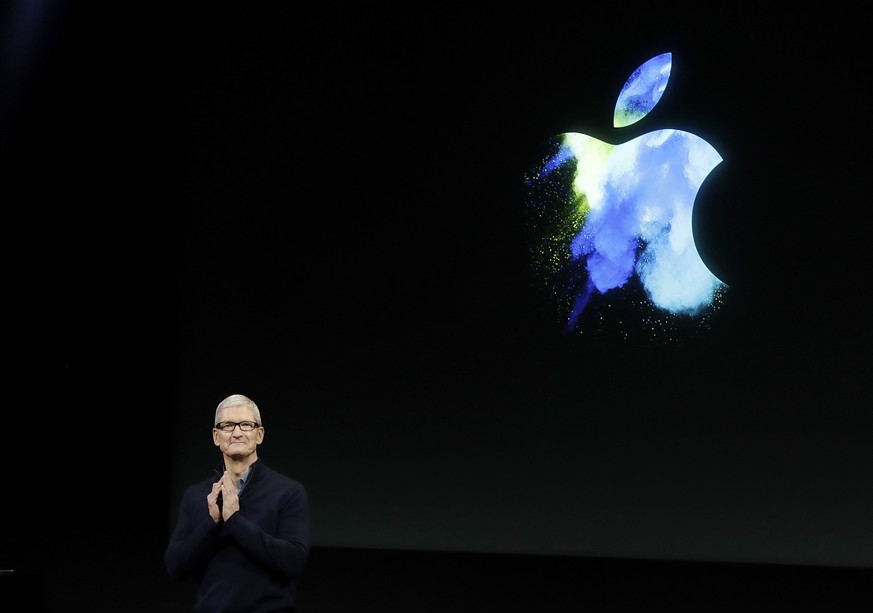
{"x": 251, "y": 562}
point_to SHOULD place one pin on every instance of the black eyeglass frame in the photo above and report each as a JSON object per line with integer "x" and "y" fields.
{"x": 220, "y": 426}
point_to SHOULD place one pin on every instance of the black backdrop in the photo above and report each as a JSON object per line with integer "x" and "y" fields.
{"x": 323, "y": 208}
{"x": 355, "y": 256}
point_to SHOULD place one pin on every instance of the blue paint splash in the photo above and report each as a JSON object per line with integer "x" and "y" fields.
{"x": 624, "y": 211}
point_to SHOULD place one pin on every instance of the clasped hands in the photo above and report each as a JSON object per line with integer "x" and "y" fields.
{"x": 225, "y": 490}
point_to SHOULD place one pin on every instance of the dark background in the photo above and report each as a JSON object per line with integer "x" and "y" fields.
{"x": 323, "y": 208}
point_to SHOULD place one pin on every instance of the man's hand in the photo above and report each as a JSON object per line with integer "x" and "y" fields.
{"x": 230, "y": 496}
{"x": 214, "y": 501}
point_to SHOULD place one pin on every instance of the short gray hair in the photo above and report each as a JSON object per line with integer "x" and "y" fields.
{"x": 237, "y": 400}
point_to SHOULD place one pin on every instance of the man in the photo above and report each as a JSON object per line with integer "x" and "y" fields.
{"x": 243, "y": 534}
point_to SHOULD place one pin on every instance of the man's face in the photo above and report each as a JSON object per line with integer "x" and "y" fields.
{"x": 238, "y": 443}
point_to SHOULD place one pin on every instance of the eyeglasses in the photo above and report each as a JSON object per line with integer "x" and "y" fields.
{"x": 230, "y": 426}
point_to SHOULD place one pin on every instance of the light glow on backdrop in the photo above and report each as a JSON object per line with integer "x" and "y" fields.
{"x": 606, "y": 215}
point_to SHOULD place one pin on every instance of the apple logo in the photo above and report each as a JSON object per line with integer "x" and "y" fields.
{"x": 616, "y": 214}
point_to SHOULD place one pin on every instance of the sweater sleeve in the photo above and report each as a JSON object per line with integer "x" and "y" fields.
{"x": 192, "y": 542}
{"x": 286, "y": 551}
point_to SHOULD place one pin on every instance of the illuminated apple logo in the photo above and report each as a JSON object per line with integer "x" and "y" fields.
{"x": 614, "y": 214}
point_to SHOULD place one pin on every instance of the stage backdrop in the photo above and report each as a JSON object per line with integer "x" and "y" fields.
{"x": 490, "y": 299}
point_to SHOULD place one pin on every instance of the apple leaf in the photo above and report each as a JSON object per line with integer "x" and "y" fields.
{"x": 643, "y": 90}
